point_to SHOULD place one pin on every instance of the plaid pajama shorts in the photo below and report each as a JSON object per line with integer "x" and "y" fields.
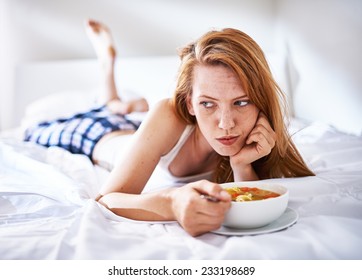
{"x": 79, "y": 133}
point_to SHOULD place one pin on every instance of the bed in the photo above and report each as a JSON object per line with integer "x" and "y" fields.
{"x": 47, "y": 210}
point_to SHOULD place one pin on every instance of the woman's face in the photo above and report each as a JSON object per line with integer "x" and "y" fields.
{"x": 222, "y": 109}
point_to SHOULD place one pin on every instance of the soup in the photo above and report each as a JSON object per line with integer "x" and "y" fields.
{"x": 240, "y": 194}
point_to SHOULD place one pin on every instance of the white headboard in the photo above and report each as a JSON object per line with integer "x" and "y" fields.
{"x": 151, "y": 77}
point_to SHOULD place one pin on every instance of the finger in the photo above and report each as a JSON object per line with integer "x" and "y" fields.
{"x": 261, "y": 138}
{"x": 259, "y": 135}
{"x": 262, "y": 130}
{"x": 202, "y": 228}
{"x": 214, "y": 190}
{"x": 202, "y": 222}
{"x": 263, "y": 121}
{"x": 261, "y": 144}
{"x": 211, "y": 204}
{"x": 212, "y": 209}
{"x": 208, "y": 221}
{"x": 211, "y": 224}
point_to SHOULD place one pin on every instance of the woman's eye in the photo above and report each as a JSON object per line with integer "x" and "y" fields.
{"x": 207, "y": 104}
{"x": 241, "y": 103}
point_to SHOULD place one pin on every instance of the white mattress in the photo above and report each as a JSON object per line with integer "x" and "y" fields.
{"x": 47, "y": 210}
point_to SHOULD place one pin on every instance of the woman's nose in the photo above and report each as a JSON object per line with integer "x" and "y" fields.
{"x": 226, "y": 120}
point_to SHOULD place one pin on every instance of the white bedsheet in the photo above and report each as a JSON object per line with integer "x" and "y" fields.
{"x": 47, "y": 210}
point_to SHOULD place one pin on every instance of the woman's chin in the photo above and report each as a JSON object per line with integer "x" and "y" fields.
{"x": 227, "y": 151}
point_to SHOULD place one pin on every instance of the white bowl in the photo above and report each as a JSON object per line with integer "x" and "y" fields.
{"x": 258, "y": 213}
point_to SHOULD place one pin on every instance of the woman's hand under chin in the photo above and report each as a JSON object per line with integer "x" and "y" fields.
{"x": 258, "y": 144}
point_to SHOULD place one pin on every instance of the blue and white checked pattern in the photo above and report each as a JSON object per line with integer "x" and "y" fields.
{"x": 79, "y": 133}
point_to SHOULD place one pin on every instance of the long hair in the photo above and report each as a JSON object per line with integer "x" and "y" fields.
{"x": 240, "y": 53}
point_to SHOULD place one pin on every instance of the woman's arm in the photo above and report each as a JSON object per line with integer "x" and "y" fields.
{"x": 122, "y": 191}
{"x": 244, "y": 173}
{"x": 185, "y": 204}
{"x": 156, "y": 136}
{"x": 146, "y": 207}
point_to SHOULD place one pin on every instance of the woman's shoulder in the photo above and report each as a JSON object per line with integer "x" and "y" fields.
{"x": 165, "y": 105}
{"x": 162, "y": 125}
{"x": 164, "y": 112}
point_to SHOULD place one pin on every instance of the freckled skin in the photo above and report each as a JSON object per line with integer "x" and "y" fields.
{"x": 221, "y": 108}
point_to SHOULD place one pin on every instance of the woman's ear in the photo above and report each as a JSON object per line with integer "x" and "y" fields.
{"x": 190, "y": 108}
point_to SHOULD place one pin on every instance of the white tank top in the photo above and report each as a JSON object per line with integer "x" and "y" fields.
{"x": 166, "y": 160}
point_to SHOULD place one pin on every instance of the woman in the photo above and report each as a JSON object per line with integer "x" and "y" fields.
{"x": 224, "y": 123}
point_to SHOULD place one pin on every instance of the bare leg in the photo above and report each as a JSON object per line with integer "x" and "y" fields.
{"x": 102, "y": 41}
{"x": 101, "y": 38}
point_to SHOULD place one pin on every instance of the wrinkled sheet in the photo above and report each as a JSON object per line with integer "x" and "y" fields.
{"x": 47, "y": 210}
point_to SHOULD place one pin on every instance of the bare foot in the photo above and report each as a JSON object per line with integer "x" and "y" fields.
{"x": 102, "y": 41}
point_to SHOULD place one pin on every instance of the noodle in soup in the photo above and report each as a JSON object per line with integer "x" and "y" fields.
{"x": 240, "y": 194}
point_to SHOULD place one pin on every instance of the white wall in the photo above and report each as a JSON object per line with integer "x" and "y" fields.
{"x": 49, "y": 30}
{"x": 324, "y": 38}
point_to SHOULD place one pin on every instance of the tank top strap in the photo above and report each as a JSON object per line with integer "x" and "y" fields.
{"x": 168, "y": 158}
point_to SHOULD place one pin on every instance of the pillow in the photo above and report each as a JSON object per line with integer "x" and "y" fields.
{"x": 64, "y": 104}
{"x": 324, "y": 91}
{"x": 57, "y": 105}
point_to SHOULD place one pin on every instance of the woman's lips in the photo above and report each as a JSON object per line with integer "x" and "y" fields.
{"x": 227, "y": 140}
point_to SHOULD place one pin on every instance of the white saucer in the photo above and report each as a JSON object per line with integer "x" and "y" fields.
{"x": 288, "y": 218}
